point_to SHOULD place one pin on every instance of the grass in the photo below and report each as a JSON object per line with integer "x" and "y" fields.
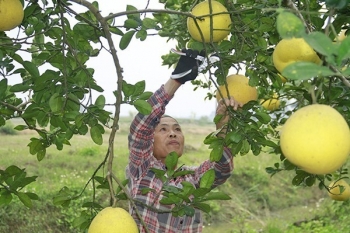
{"x": 259, "y": 203}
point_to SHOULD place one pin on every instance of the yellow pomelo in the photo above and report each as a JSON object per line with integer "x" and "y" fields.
{"x": 288, "y": 51}
{"x": 113, "y": 220}
{"x": 341, "y": 36}
{"x": 271, "y": 104}
{"x": 11, "y": 14}
{"x": 335, "y": 191}
{"x": 316, "y": 138}
{"x": 238, "y": 87}
{"x": 220, "y": 26}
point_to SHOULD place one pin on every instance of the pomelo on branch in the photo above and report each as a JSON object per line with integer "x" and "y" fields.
{"x": 221, "y": 22}
{"x": 341, "y": 36}
{"x": 288, "y": 51}
{"x": 339, "y": 190}
{"x": 271, "y": 104}
{"x": 11, "y": 14}
{"x": 238, "y": 87}
{"x": 112, "y": 220}
{"x": 316, "y": 138}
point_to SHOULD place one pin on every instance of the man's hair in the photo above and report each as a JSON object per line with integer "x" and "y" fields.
{"x": 165, "y": 115}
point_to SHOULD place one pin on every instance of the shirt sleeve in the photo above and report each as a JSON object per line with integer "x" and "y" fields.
{"x": 223, "y": 169}
{"x": 140, "y": 139}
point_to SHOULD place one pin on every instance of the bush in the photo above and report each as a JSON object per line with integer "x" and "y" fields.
{"x": 8, "y": 129}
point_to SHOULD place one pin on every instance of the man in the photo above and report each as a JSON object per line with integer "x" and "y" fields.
{"x": 151, "y": 139}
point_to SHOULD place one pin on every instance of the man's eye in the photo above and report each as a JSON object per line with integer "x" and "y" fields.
{"x": 162, "y": 129}
{"x": 178, "y": 129}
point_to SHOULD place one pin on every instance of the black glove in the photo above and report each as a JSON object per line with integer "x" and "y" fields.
{"x": 187, "y": 66}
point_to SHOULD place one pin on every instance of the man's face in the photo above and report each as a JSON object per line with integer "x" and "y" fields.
{"x": 168, "y": 137}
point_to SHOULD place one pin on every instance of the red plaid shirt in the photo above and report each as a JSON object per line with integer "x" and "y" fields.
{"x": 140, "y": 176}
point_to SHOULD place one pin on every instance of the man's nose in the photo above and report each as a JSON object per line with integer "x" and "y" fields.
{"x": 172, "y": 133}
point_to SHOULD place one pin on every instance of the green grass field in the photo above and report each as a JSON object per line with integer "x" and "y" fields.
{"x": 259, "y": 203}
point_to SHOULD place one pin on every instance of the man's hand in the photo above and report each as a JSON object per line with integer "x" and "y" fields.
{"x": 187, "y": 67}
{"x": 222, "y": 109}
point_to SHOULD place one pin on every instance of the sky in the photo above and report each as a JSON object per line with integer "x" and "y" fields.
{"x": 142, "y": 61}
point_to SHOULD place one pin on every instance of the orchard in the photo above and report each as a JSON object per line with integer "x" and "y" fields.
{"x": 286, "y": 56}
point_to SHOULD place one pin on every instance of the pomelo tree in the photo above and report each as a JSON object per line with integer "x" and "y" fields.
{"x": 59, "y": 106}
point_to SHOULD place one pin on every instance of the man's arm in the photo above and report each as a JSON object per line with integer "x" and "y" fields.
{"x": 142, "y": 127}
{"x": 221, "y": 109}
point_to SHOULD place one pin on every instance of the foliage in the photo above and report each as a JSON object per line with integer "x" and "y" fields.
{"x": 54, "y": 43}
{"x": 8, "y": 129}
{"x": 255, "y": 197}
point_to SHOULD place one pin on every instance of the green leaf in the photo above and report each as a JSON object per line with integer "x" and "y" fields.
{"x": 82, "y": 221}
{"x": 263, "y": 117}
{"x": 125, "y": 40}
{"x": 127, "y": 89}
{"x": 245, "y": 147}
{"x": 149, "y": 23}
{"x": 207, "y": 180}
{"x": 13, "y": 170}
{"x": 116, "y": 31}
{"x": 183, "y": 173}
{"x": 310, "y": 180}
{"x": 289, "y": 25}
{"x": 321, "y": 43}
{"x": 189, "y": 211}
{"x": 5, "y": 198}
{"x": 139, "y": 88}
{"x": 56, "y": 103}
{"x": 171, "y": 163}
{"x": 298, "y": 179}
{"x": 35, "y": 145}
{"x": 131, "y": 23}
{"x": 344, "y": 50}
{"x": 202, "y": 206}
{"x": 100, "y": 101}
{"x": 158, "y": 172}
{"x": 20, "y": 87}
{"x": 21, "y": 127}
{"x": 32, "y": 196}
{"x": 145, "y": 95}
{"x": 3, "y": 88}
{"x": 234, "y": 136}
{"x": 135, "y": 16}
{"x": 124, "y": 183}
{"x": 264, "y": 142}
{"x": 96, "y": 134}
{"x": 216, "y": 153}
{"x": 143, "y": 107}
{"x": 144, "y": 191}
{"x": 200, "y": 192}
{"x": 31, "y": 68}
{"x": 90, "y": 204}
{"x": 25, "y": 199}
{"x": 305, "y": 70}
{"x": 40, "y": 155}
{"x": 172, "y": 199}
{"x": 142, "y": 35}
{"x": 63, "y": 198}
{"x": 171, "y": 189}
